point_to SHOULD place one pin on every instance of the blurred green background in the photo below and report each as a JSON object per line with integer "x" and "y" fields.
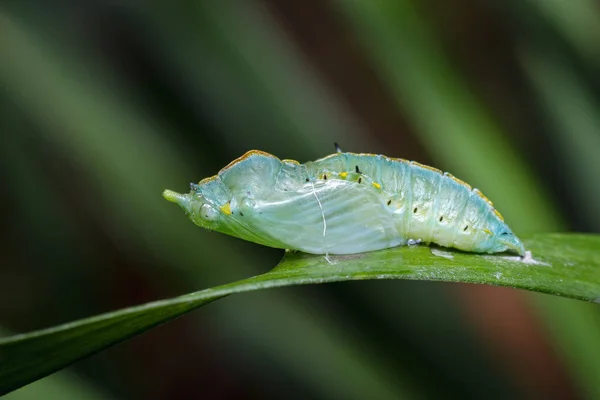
{"x": 103, "y": 104}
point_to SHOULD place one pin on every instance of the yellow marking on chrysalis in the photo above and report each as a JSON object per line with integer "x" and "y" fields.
{"x": 206, "y": 180}
{"x": 226, "y": 208}
{"x": 426, "y": 167}
{"x": 400, "y": 160}
{"x": 343, "y": 175}
{"x": 500, "y": 217}
{"x": 478, "y": 192}
{"x": 287, "y": 160}
{"x": 333, "y": 155}
{"x": 376, "y": 185}
{"x": 245, "y": 156}
{"x": 488, "y": 232}
{"x": 460, "y": 182}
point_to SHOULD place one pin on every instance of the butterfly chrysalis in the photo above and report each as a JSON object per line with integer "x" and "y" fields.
{"x": 345, "y": 203}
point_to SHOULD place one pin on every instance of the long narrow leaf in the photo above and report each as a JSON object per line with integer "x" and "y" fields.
{"x": 562, "y": 264}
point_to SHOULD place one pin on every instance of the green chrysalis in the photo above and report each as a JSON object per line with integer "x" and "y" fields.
{"x": 345, "y": 203}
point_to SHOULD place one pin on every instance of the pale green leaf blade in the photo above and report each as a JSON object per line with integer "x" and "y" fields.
{"x": 562, "y": 264}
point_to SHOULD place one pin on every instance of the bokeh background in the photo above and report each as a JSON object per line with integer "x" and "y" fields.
{"x": 103, "y": 104}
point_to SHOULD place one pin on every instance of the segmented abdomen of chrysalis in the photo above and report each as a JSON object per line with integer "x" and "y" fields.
{"x": 345, "y": 203}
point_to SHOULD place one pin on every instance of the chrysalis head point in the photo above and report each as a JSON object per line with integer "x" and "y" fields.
{"x": 180, "y": 199}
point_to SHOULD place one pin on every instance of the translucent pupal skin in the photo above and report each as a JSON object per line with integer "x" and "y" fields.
{"x": 345, "y": 203}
